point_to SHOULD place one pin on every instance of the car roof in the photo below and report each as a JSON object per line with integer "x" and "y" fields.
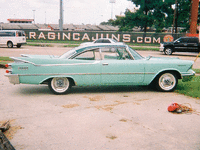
{"x": 99, "y": 45}
{"x": 104, "y": 39}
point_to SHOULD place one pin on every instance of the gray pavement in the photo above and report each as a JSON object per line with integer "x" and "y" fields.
{"x": 121, "y": 118}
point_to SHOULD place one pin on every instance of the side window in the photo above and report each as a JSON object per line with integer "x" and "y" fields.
{"x": 184, "y": 40}
{"x": 7, "y": 34}
{"x": 106, "y": 41}
{"x": 89, "y": 55}
{"x": 98, "y": 41}
{"x": 115, "y": 53}
{"x": 2, "y": 34}
{"x": 193, "y": 40}
{"x": 19, "y": 33}
{"x": 23, "y": 33}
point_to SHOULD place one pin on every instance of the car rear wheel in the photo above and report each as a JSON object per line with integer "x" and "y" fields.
{"x": 168, "y": 51}
{"x": 19, "y": 45}
{"x": 10, "y": 45}
{"x": 166, "y": 82}
{"x": 59, "y": 85}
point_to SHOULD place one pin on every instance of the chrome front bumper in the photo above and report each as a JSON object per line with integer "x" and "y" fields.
{"x": 189, "y": 73}
{"x": 162, "y": 49}
{"x": 13, "y": 78}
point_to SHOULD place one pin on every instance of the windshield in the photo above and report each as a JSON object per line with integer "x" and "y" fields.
{"x": 178, "y": 39}
{"x": 68, "y": 54}
{"x": 114, "y": 40}
{"x": 135, "y": 54}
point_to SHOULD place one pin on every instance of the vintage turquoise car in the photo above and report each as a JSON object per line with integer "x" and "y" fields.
{"x": 97, "y": 65}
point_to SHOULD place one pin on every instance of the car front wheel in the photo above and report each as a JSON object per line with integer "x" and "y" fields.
{"x": 168, "y": 51}
{"x": 59, "y": 85}
{"x": 10, "y": 45}
{"x": 166, "y": 82}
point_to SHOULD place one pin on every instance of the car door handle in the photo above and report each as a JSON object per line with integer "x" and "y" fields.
{"x": 105, "y": 64}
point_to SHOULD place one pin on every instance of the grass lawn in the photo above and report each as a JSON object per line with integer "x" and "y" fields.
{"x": 145, "y": 48}
{"x": 196, "y": 70}
{"x": 5, "y": 60}
{"x": 189, "y": 88}
{"x": 48, "y": 41}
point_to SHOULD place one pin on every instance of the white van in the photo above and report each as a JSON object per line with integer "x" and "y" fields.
{"x": 12, "y": 38}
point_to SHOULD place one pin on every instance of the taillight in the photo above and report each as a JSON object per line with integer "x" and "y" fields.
{"x": 7, "y": 71}
{"x": 6, "y": 65}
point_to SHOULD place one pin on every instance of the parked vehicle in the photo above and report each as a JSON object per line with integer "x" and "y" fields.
{"x": 101, "y": 40}
{"x": 183, "y": 44}
{"x": 12, "y": 38}
{"x": 98, "y": 64}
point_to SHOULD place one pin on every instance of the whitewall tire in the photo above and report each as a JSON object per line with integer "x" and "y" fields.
{"x": 59, "y": 85}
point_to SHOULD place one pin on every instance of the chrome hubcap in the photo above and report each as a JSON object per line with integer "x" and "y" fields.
{"x": 167, "y": 81}
{"x": 60, "y": 84}
{"x": 168, "y": 51}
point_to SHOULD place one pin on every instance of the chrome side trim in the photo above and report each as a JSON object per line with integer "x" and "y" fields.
{"x": 75, "y": 64}
{"x": 60, "y": 74}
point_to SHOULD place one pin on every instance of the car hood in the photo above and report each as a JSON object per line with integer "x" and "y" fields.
{"x": 168, "y": 43}
{"x": 168, "y": 60}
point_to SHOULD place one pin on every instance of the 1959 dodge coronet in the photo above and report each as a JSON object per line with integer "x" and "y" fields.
{"x": 99, "y": 64}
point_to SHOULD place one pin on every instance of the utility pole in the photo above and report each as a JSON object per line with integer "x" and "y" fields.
{"x": 175, "y": 17}
{"x": 34, "y": 15}
{"x": 61, "y": 16}
{"x": 112, "y": 2}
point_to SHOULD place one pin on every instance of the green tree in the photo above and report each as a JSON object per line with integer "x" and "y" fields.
{"x": 150, "y": 13}
{"x": 183, "y": 14}
{"x": 110, "y": 22}
{"x": 156, "y": 13}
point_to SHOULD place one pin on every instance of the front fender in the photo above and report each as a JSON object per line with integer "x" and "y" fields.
{"x": 153, "y": 77}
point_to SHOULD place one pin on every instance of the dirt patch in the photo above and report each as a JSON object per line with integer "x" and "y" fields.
{"x": 12, "y": 130}
{"x": 95, "y": 98}
{"x": 142, "y": 100}
{"x": 123, "y": 120}
{"x": 111, "y": 137}
{"x": 70, "y": 105}
{"x": 109, "y": 107}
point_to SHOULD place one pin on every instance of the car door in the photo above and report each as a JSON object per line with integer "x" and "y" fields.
{"x": 193, "y": 45}
{"x": 120, "y": 69}
{"x": 181, "y": 45}
{"x": 87, "y": 69}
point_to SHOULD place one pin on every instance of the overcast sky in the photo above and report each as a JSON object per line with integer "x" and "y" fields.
{"x": 75, "y": 11}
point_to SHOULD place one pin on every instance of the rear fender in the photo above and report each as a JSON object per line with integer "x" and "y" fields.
{"x": 45, "y": 81}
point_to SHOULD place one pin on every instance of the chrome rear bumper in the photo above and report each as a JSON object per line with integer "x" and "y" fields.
{"x": 13, "y": 78}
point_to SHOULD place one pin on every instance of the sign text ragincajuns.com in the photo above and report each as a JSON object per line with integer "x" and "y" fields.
{"x": 91, "y": 36}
